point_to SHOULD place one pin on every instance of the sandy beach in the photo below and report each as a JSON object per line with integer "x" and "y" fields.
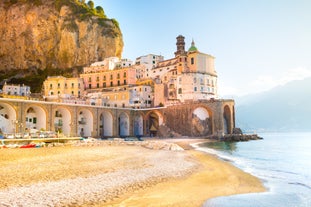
{"x": 120, "y": 174}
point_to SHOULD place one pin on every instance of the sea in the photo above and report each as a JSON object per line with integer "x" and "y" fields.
{"x": 281, "y": 160}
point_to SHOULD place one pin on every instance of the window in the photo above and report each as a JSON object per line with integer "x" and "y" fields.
{"x": 51, "y": 85}
{"x": 192, "y": 61}
{"x": 195, "y": 88}
{"x": 90, "y": 85}
{"x": 90, "y": 79}
{"x": 104, "y": 85}
{"x": 72, "y": 85}
{"x": 111, "y": 77}
{"x": 72, "y": 92}
{"x": 97, "y": 78}
{"x": 34, "y": 120}
{"x": 111, "y": 84}
{"x": 124, "y": 74}
{"x": 104, "y": 78}
{"x": 97, "y": 85}
{"x": 118, "y": 82}
{"x": 118, "y": 75}
{"x": 58, "y": 85}
{"x": 179, "y": 91}
{"x": 124, "y": 82}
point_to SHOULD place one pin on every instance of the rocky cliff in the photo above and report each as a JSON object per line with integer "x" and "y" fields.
{"x": 40, "y": 34}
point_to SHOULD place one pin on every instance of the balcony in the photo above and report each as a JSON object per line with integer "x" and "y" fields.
{"x": 82, "y": 122}
{"x": 59, "y": 124}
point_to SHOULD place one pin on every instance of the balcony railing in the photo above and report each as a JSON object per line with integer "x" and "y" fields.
{"x": 82, "y": 122}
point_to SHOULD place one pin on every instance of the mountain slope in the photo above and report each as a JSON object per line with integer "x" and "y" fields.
{"x": 40, "y": 34}
{"x": 284, "y": 108}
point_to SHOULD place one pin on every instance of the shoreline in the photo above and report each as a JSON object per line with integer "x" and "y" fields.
{"x": 125, "y": 175}
{"x": 214, "y": 178}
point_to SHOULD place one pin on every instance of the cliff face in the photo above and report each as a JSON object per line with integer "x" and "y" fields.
{"x": 53, "y": 35}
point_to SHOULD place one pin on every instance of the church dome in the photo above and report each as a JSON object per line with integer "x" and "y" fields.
{"x": 193, "y": 48}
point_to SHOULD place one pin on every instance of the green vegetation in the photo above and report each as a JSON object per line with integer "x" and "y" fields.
{"x": 82, "y": 9}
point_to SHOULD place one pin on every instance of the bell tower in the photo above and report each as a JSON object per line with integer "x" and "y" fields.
{"x": 180, "y": 46}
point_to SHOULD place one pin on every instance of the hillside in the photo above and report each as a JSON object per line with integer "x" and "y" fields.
{"x": 284, "y": 108}
{"x": 54, "y": 34}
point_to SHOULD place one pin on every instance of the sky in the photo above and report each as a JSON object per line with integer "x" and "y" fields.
{"x": 257, "y": 44}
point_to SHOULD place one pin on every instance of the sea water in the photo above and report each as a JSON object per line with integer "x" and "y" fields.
{"x": 281, "y": 160}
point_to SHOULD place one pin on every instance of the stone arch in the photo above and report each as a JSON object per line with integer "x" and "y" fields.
{"x": 62, "y": 120}
{"x": 8, "y": 118}
{"x": 153, "y": 122}
{"x": 106, "y": 124}
{"x": 227, "y": 120}
{"x": 201, "y": 123}
{"x": 85, "y": 123}
{"x": 36, "y": 118}
{"x": 123, "y": 122}
{"x": 138, "y": 125}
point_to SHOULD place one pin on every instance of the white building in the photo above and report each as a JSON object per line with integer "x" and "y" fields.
{"x": 109, "y": 63}
{"x": 16, "y": 90}
{"x": 150, "y": 61}
{"x": 141, "y": 96}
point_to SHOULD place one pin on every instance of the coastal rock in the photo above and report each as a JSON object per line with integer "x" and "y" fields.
{"x": 239, "y": 137}
{"x": 54, "y": 34}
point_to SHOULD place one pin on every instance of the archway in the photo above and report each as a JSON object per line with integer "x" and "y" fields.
{"x": 85, "y": 123}
{"x": 123, "y": 125}
{"x": 7, "y": 118}
{"x": 35, "y": 118}
{"x": 227, "y": 120}
{"x": 138, "y": 125}
{"x": 154, "y": 121}
{"x": 62, "y": 121}
{"x": 201, "y": 122}
{"x": 106, "y": 125}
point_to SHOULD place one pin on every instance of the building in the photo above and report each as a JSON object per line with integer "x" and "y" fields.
{"x": 59, "y": 87}
{"x": 152, "y": 81}
{"x": 100, "y": 78}
{"x": 189, "y": 76}
{"x": 16, "y": 90}
{"x": 149, "y": 61}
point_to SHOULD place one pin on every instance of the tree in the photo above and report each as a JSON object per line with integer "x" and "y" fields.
{"x": 90, "y": 4}
{"x": 100, "y": 11}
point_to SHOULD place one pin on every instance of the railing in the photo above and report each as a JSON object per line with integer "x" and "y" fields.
{"x": 82, "y": 122}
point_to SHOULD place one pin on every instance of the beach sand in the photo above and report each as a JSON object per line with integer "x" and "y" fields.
{"x": 117, "y": 176}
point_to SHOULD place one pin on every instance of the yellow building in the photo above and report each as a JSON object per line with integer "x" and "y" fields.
{"x": 59, "y": 87}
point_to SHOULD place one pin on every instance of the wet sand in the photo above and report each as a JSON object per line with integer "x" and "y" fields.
{"x": 117, "y": 176}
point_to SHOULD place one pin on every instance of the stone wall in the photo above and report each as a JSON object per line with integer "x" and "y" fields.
{"x": 199, "y": 119}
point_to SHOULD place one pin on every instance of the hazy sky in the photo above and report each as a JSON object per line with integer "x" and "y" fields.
{"x": 258, "y": 44}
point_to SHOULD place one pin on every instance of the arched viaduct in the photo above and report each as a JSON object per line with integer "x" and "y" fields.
{"x": 188, "y": 119}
